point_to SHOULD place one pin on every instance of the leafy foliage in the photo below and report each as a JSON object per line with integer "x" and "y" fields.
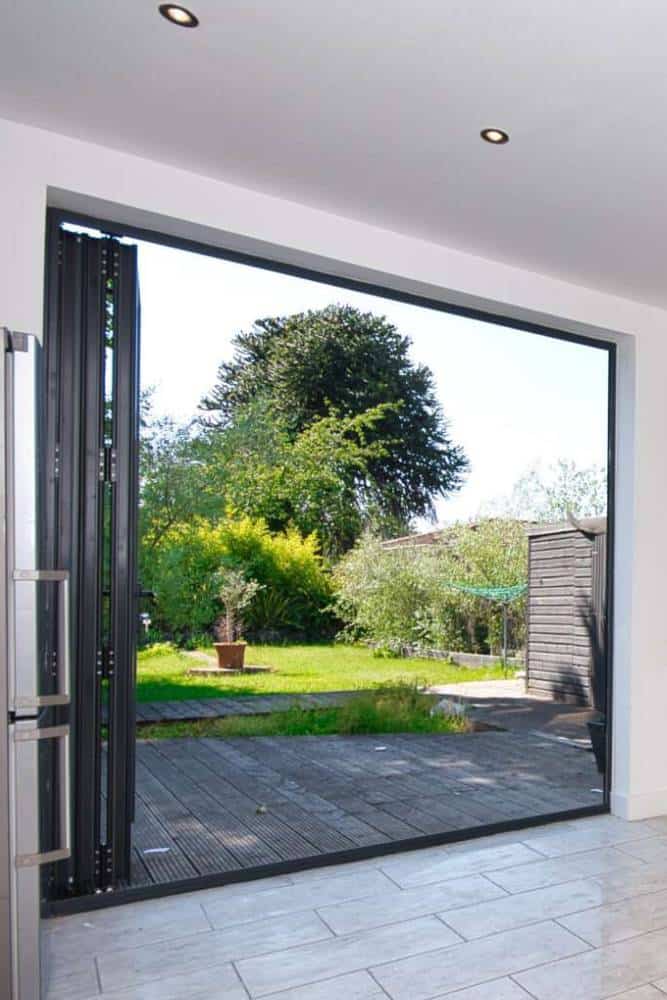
{"x": 565, "y": 488}
{"x": 235, "y": 593}
{"x": 400, "y": 708}
{"x": 314, "y": 482}
{"x": 340, "y": 361}
{"x": 171, "y": 478}
{"x": 402, "y": 596}
{"x": 183, "y": 572}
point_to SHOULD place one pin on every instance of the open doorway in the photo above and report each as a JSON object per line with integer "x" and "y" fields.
{"x": 356, "y": 546}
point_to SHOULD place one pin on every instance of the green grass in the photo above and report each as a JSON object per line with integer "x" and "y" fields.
{"x": 299, "y": 669}
{"x": 398, "y": 709}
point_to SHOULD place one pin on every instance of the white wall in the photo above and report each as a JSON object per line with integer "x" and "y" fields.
{"x": 39, "y": 168}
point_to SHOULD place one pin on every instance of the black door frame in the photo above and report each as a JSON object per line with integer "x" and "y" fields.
{"x": 56, "y": 218}
{"x": 91, "y": 492}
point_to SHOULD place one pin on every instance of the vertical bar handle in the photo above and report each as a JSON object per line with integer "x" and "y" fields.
{"x": 65, "y": 645}
{"x": 64, "y": 694}
{"x": 29, "y": 733}
{"x": 65, "y": 792}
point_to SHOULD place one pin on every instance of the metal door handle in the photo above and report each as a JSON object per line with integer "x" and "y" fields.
{"x": 63, "y": 696}
{"x": 27, "y": 734}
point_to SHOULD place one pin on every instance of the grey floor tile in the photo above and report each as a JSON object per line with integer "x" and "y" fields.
{"x": 404, "y": 904}
{"x": 299, "y": 966}
{"x": 411, "y": 869}
{"x": 635, "y": 881}
{"x": 654, "y": 850}
{"x": 334, "y": 871}
{"x": 618, "y": 921}
{"x": 601, "y": 973}
{"x": 353, "y": 986}
{"x": 613, "y": 824}
{"x": 119, "y": 969}
{"x": 658, "y": 823}
{"x": 302, "y": 896}
{"x": 492, "y": 840}
{"x": 524, "y": 908}
{"x": 540, "y": 874}
{"x": 641, "y": 993}
{"x": 499, "y": 989}
{"x": 126, "y": 926}
{"x": 218, "y": 982}
{"x": 242, "y": 888}
{"x": 68, "y": 978}
{"x": 443, "y": 972}
{"x": 614, "y": 897}
{"x": 555, "y": 844}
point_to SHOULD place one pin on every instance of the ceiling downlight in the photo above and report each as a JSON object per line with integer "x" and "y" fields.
{"x": 496, "y": 136}
{"x": 178, "y": 15}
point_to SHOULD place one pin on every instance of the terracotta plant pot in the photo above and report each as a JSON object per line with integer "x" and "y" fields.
{"x": 230, "y": 655}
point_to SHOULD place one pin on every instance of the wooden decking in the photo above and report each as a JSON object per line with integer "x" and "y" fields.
{"x": 209, "y": 806}
{"x": 221, "y": 708}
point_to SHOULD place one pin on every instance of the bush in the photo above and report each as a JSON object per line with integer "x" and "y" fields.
{"x": 402, "y": 596}
{"x": 183, "y": 571}
{"x": 396, "y": 598}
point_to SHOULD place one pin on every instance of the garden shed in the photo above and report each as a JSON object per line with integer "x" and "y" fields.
{"x": 566, "y": 611}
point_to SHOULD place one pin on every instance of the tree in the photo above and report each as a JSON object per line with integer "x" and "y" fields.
{"x": 235, "y": 593}
{"x": 314, "y": 482}
{"x": 564, "y": 489}
{"x": 341, "y": 361}
{"x": 170, "y": 476}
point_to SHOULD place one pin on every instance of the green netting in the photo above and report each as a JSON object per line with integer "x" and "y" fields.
{"x": 503, "y": 595}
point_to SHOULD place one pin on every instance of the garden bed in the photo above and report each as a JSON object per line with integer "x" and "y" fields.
{"x": 399, "y": 709}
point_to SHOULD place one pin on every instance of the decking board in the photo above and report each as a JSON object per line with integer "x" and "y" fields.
{"x": 227, "y": 805}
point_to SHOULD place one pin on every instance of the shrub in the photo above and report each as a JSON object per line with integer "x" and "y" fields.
{"x": 183, "y": 571}
{"x": 395, "y": 597}
{"x": 157, "y": 650}
{"x": 403, "y": 596}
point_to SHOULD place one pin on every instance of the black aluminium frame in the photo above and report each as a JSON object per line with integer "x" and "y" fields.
{"x": 91, "y": 494}
{"x": 55, "y": 219}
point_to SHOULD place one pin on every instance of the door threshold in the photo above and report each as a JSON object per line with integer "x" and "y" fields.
{"x": 136, "y": 894}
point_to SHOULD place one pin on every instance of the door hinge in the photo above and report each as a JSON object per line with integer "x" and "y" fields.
{"x": 109, "y": 662}
{"x": 104, "y": 868}
{"x": 105, "y": 662}
{"x": 56, "y": 462}
{"x": 107, "y": 465}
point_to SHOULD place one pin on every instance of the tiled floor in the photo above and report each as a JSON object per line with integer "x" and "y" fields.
{"x": 576, "y": 911}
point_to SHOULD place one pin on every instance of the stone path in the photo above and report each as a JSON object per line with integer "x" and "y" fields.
{"x": 507, "y": 705}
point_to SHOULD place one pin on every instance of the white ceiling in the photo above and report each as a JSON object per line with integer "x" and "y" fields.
{"x": 372, "y": 110}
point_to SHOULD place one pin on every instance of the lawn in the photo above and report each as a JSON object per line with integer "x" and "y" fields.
{"x": 398, "y": 709}
{"x": 162, "y": 672}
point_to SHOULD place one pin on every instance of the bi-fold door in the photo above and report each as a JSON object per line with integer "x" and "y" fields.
{"x": 91, "y": 508}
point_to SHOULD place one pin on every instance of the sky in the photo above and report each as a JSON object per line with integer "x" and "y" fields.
{"x": 512, "y": 398}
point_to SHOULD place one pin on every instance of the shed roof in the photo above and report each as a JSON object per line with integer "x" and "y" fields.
{"x": 592, "y": 525}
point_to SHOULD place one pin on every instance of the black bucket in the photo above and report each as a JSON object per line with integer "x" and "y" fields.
{"x": 598, "y": 733}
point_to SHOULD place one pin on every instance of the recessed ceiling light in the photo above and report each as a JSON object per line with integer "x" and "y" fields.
{"x": 494, "y": 135}
{"x": 181, "y": 16}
